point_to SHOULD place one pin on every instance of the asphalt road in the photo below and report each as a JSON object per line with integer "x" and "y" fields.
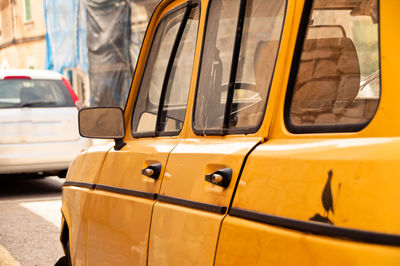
{"x": 30, "y": 221}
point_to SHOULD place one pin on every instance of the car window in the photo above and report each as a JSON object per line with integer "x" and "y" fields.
{"x": 17, "y": 93}
{"x": 161, "y": 103}
{"x": 337, "y": 82}
{"x": 176, "y": 96}
{"x": 237, "y": 65}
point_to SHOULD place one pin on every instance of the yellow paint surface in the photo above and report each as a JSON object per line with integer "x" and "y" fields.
{"x": 6, "y": 259}
{"x": 118, "y": 232}
{"x": 285, "y": 176}
{"x": 182, "y": 236}
{"x": 249, "y": 243}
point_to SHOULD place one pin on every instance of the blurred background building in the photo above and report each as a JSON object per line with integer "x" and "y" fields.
{"x": 22, "y": 34}
{"x": 94, "y": 43}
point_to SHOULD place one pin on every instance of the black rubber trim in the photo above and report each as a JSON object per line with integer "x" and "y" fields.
{"x": 193, "y": 204}
{"x": 319, "y": 228}
{"x": 130, "y": 192}
{"x": 234, "y": 64}
{"x": 329, "y": 128}
{"x": 123, "y": 191}
{"x": 154, "y": 196}
{"x": 78, "y": 184}
{"x": 119, "y": 144}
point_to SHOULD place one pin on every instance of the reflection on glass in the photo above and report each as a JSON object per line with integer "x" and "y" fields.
{"x": 259, "y": 46}
{"x": 168, "y": 73}
{"x": 215, "y": 66}
{"x": 17, "y": 93}
{"x": 154, "y": 73}
{"x": 102, "y": 122}
{"x": 338, "y": 80}
{"x": 173, "y": 114}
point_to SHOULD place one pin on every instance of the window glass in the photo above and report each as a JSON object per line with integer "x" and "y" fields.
{"x": 28, "y": 12}
{"x": 166, "y": 79}
{"x": 337, "y": 87}
{"x": 177, "y": 93}
{"x": 255, "y": 63}
{"x": 18, "y": 93}
{"x": 259, "y": 48}
{"x": 146, "y": 108}
{"x": 215, "y": 65}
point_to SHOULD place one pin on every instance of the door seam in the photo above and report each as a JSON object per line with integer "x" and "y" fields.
{"x": 88, "y": 202}
{"x": 155, "y": 201}
{"x": 233, "y": 195}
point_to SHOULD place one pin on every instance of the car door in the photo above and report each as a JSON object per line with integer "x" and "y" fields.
{"x": 321, "y": 190}
{"x": 228, "y": 120}
{"x": 75, "y": 195}
{"x": 122, "y": 202}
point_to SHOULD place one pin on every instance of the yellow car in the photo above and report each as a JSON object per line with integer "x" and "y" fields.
{"x": 256, "y": 132}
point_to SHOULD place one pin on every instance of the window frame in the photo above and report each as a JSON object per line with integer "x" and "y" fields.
{"x": 327, "y": 128}
{"x": 232, "y": 75}
{"x": 189, "y": 5}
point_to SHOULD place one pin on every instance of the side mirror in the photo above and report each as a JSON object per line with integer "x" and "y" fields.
{"x": 102, "y": 123}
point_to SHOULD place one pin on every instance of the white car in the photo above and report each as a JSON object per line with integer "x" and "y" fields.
{"x": 38, "y": 123}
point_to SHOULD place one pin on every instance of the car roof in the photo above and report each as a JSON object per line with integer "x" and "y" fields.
{"x": 33, "y": 74}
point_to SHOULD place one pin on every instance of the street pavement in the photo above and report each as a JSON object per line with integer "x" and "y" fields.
{"x": 30, "y": 221}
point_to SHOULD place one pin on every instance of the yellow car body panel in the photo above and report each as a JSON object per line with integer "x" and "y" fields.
{"x": 123, "y": 168}
{"x": 260, "y": 244}
{"x": 284, "y": 180}
{"x": 274, "y": 211}
{"x": 87, "y": 165}
{"x": 281, "y": 176}
{"x": 184, "y": 179}
{"x": 183, "y": 236}
{"x": 122, "y": 171}
{"x": 75, "y": 209}
{"x": 118, "y": 229}
{"x": 192, "y": 159}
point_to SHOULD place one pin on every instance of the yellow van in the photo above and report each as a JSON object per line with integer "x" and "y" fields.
{"x": 256, "y": 132}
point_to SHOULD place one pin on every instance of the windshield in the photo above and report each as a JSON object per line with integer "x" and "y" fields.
{"x": 17, "y": 93}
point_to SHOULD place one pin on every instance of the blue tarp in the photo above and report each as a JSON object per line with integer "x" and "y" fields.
{"x": 100, "y": 37}
{"x": 65, "y": 35}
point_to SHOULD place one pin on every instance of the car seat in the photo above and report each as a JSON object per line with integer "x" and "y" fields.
{"x": 327, "y": 83}
{"x": 263, "y": 71}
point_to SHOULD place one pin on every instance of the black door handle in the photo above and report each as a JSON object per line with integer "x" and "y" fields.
{"x": 220, "y": 178}
{"x": 152, "y": 171}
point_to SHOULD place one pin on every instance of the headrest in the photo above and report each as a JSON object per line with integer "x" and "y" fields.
{"x": 263, "y": 65}
{"x": 29, "y": 94}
